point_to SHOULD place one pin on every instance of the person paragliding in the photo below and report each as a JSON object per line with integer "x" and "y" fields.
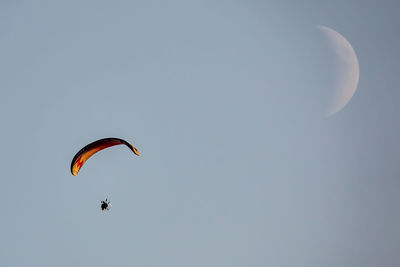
{"x": 86, "y": 152}
{"x": 105, "y": 204}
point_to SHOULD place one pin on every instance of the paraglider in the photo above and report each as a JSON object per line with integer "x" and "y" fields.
{"x": 105, "y": 205}
{"x": 85, "y": 153}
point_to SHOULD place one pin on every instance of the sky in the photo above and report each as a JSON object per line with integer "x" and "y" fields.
{"x": 225, "y": 101}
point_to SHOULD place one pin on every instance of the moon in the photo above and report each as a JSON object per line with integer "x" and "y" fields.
{"x": 346, "y": 70}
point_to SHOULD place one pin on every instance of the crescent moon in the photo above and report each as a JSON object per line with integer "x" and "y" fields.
{"x": 346, "y": 70}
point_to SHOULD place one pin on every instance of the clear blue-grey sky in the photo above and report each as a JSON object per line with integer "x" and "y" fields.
{"x": 224, "y": 100}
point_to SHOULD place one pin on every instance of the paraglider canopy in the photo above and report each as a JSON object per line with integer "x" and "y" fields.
{"x": 85, "y": 153}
